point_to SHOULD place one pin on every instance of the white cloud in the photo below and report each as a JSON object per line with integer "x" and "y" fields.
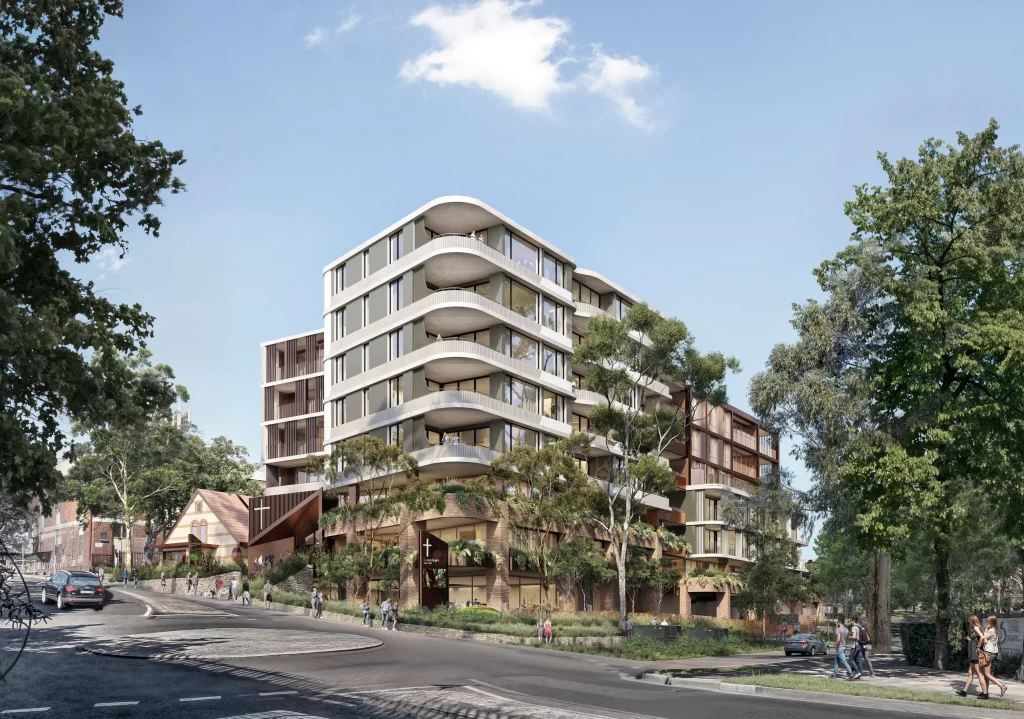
{"x": 495, "y": 45}
{"x": 348, "y": 23}
{"x": 616, "y": 78}
{"x": 111, "y": 259}
{"x": 315, "y": 37}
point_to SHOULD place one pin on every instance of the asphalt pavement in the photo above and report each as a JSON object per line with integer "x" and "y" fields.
{"x": 407, "y": 675}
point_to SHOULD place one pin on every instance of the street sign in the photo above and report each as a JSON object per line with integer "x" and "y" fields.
{"x": 1011, "y": 635}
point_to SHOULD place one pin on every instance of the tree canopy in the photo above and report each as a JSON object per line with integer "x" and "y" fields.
{"x": 73, "y": 179}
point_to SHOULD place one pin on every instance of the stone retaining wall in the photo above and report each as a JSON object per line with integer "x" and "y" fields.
{"x": 177, "y": 585}
{"x": 300, "y": 583}
{"x": 443, "y": 631}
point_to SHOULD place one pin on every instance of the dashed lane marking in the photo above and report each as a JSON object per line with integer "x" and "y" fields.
{"x": 25, "y": 711}
{"x": 276, "y": 694}
{"x": 115, "y": 704}
{"x": 198, "y": 699}
{"x": 334, "y": 701}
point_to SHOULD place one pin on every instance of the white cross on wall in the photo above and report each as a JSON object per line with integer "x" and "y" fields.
{"x": 261, "y": 509}
{"x": 426, "y": 545}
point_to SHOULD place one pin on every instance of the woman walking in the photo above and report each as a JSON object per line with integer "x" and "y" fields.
{"x": 992, "y": 647}
{"x": 975, "y": 643}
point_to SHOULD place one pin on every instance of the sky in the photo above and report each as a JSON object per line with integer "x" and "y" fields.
{"x": 698, "y": 154}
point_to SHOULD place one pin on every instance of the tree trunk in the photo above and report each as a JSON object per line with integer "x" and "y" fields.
{"x": 882, "y": 632}
{"x": 942, "y": 605}
{"x": 871, "y": 603}
{"x": 621, "y": 567}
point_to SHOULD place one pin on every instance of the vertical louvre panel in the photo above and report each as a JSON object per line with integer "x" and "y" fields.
{"x": 268, "y": 403}
{"x": 270, "y": 366}
{"x": 290, "y": 440}
{"x": 318, "y": 390}
{"x": 272, "y": 443}
{"x": 311, "y": 355}
{"x": 290, "y": 348}
{"x": 300, "y": 397}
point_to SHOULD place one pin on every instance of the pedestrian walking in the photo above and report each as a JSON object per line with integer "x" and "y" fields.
{"x": 268, "y": 596}
{"x": 312, "y": 604}
{"x": 548, "y": 633}
{"x": 857, "y": 648}
{"x": 219, "y": 584}
{"x": 102, "y": 572}
{"x": 163, "y": 582}
{"x": 841, "y": 634}
{"x": 135, "y": 578}
{"x": 975, "y": 644}
{"x": 783, "y": 630}
{"x": 246, "y": 599}
{"x": 629, "y": 627}
{"x": 994, "y": 654}
{"x": 319, "y": 605}
{"x": 233, "y": 590}
{"x": 864, "y": 638}
{"x": 367, "y": 621}
{"x": 270, "y": 560}
{"x": 124, "y": 576}
{"x": 385, "y": 610}
{"x": 394, "y": 616}
{"x": 540, "y": 630}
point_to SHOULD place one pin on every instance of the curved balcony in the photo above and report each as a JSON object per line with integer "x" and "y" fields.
{"x": 585, "y": 399}
{"x": 585, "y": 309}
{"x": 462, "y": 357}
{"x": 437, "y": 256}
{"x": 451, "y": 408}
{"x": 452, "y": 312}
{"x": 454, "y": 460}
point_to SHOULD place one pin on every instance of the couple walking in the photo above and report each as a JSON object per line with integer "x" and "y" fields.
{"x": 983, "y": 650}
{"x": 388, "y": 612}
{"x": 316, "y": 604}
{"x": 859, "y": 637}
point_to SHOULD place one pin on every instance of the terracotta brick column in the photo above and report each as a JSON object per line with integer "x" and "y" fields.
{"x": 685, "y": 609}
{"x": 409, "y": 581}
{"x": 497, "y": 578}
{"x": 723, "y": 606}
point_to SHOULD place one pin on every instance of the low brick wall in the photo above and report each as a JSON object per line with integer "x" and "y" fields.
{"x": 442, "y": 631}
{"x": 178, "y": 585}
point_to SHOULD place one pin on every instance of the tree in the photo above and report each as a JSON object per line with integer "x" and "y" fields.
{"x": 646, "y": 572}
{"x": 943, "y": 242}
{"x": 123, "y": 470}
{"x": 579, "y": 563}
{"x": 387, "y": 476}
{"x": 817, "y": 392}
{"x": 72, "y": 178}
{"x": 837, "y": 574}
{"x": 765, "y": 518}
{"x": 627, "y": 361}
{"x": 544, "y": 493}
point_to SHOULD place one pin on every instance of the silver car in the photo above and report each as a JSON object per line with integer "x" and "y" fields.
{"x": 807, "y": 644}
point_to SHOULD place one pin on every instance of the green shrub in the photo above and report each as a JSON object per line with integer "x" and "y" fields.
{"x": 285, "y": 567}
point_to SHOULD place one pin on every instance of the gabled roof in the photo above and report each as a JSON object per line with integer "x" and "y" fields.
{"x": 231, "y": 509}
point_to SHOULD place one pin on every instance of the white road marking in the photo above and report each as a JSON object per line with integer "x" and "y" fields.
{"x": 25, "y": 711}
{"x": 478, "y": 690}
{"x": 197, "y": 699}
{"x": 115, "y": 704}
{"x": 276, "y": 694}
{"x": 332, "y": 701}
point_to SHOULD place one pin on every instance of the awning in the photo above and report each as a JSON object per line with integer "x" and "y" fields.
{"x": 301, "y": 521}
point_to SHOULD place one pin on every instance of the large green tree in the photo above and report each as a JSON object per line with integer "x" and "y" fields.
{"x": 73, "y": 178}
{"x": 627, "y": 362}
{"x": 544, "y": 493}
{"x": 578, "y": 563}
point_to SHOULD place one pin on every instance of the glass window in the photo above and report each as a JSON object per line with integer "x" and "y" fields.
{"x": 577, "y": 339}
{"x": 516, "y": 436}
{"x": 554, "y": 362}
{"x": 582, "y": 293}
{"x": 552, "y": 406}
{"x": 395, "y": 391}
{"x": 523, "y": 394}
{"x": 552, "y": 269}
{"x": 395, "y": 435}
{"x": 621, "y": 307}
{"x": 339, "y": 324}
{"x": 521, "y": 300}
{"x": 523, "y": 349}
{"x": 202, "y": 531}
{"x": 194, "y": 530}
{"x": 366, "y": 310}
{"x": 395, "y": 299}
{"x": 339, "y": 278}
{"x": 521, "y": 252}
{"x": 710, "y": 509}
{"x": 395, "y": 249}
{"x": 580, "y": 423}
{"x": 552, "y": 315}
{"x": 396, "y": 345}
{"x": 433, "y": 436}
{"x": 366, "y": 263}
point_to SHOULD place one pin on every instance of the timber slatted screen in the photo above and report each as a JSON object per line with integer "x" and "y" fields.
{"x": 318, "y": 390}
{"x": 314, "y": 434}
{"x": 300, "y": 398}
{"x": 271, "y": 366}
{"x": 268, "y": 403}
{"x": 290, "y": 348}
{"x": 277, "y": 506}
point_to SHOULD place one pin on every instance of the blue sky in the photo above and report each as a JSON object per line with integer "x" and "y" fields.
{"x": 697, "y": 153}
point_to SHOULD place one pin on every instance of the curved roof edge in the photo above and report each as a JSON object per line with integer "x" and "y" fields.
{"x": 609, "y": 285}
{"x": 465, "y": 199}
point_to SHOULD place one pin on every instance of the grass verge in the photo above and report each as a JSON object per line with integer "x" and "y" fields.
{"x": 834, "y": 686}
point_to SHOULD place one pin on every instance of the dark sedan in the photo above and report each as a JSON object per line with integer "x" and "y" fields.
{"x": 71, "y": 589}
{"x": 809, "y": 644}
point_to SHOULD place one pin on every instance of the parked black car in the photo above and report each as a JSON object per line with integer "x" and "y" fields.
{"x": 69, "y": 589}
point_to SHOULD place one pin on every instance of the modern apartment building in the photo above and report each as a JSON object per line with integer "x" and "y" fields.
{"x": 450, "y": 334}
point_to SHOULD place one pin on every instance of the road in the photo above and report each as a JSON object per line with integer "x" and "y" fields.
{"x": 406, "y": 675}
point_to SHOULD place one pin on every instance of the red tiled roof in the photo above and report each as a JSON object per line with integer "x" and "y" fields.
{"x": 232, "y": 510}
